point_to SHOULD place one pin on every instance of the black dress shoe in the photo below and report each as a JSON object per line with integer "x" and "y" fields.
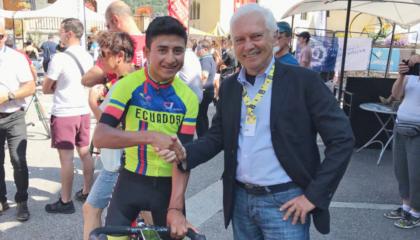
{"x": 22, "y": 212}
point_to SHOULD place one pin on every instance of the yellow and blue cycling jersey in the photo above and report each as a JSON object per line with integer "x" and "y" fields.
{"x": 143, "y": 105}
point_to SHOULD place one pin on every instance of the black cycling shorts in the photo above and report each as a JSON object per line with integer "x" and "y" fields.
{"x": 134, "y": 193}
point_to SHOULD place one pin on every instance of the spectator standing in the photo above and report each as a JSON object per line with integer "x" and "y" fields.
{"x": 118, "y": 19}
{"x": 16, "y": 83}
{"x": 49, "y": 48}
{"x": 406, "y": 146}
{"x": 94, "y": 47}
{"x": 228, "y": 58}
{"x": 305, "y": 56}
{"x": 70, "y": 117}
{"x": 31, "y": 51}
{"x": 190, "y": 73}
{"x": 208, "y": 72}
{"x": 283, "y": 42}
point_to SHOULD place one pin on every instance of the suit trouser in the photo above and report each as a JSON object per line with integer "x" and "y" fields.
{"x": 202, "y": 118}
{"x": 406, "y": 155}
{"x": 13, "y": 129}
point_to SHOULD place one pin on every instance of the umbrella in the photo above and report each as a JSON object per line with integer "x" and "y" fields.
{"x": 402, "y": 12}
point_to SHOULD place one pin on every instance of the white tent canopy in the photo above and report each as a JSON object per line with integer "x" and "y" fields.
{"x": 60, "y": 9}
{"x": 402, "y": 12}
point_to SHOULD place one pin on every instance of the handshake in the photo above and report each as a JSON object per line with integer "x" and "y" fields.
{"x": 169, "y": 148}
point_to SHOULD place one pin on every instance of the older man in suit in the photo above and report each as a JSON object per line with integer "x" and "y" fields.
{"x": 267, "y": 120}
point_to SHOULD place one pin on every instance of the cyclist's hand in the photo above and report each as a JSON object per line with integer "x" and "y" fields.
{"x": 177, "y": 223}
{"x": 298, "y": 208}
{"x": 161, "y": 141}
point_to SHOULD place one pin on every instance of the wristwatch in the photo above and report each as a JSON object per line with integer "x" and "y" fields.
{"x": 11, "y": 96}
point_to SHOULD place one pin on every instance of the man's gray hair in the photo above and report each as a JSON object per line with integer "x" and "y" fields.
{"x": 74, "y": 25}
{"x": 270, "y": 21}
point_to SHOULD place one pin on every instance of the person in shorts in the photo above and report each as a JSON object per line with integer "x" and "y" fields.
{"x": 70, "y": 116}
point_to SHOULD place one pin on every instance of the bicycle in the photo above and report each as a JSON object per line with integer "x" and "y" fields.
{"x": 141, "y": 232}
{"x": 42, "y": 115}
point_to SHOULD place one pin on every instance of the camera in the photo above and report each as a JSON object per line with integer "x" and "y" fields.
{"x": 413, "y": 70}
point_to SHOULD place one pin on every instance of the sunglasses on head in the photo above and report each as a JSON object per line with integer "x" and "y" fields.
{"x": 103, "y": 54}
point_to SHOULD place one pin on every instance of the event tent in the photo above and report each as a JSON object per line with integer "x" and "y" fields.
{"x": 59, "y": 9}
{"x": 402, "y": 12}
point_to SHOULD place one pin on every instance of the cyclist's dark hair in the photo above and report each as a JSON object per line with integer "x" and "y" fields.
{"x": 73, "y": 25}
{"x": 116, "y": 42}
{"x": 165, "y": 25}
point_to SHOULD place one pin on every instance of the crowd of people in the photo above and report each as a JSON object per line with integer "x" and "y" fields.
{"x": 150, "y": 93}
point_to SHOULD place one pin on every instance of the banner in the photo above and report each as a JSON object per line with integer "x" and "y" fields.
{"x": 324, "y": 53}
{"x": 179, "y": 10}
{"x": 357, "y": 56}
{"x": 380, "y": 58}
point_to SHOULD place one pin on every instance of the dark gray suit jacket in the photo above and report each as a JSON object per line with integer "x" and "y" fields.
{"x": 301, "y": 107}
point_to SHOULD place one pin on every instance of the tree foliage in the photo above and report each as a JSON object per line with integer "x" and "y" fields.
{"x": 160, "y": 7}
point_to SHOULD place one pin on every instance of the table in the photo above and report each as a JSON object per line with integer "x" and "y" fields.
{"x": 378, "y": 108}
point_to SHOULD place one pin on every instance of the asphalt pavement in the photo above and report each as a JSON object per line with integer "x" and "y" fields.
{"x": 365, "y": 193}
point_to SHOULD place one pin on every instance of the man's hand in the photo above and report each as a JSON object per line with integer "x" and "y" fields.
{"x": 403, "y": 68}
{"x": 178, "y": 224}
{"x": 175, "y": 154}
{"x": 3, "y": 98}
{"x": 298, "y": 207}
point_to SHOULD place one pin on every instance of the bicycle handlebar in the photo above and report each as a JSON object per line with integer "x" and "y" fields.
{"x": 123, "y": 230}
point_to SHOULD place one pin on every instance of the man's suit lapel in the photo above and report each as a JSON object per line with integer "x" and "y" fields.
{"x": 279, "y": 92}
{"x": 236, "y": 106}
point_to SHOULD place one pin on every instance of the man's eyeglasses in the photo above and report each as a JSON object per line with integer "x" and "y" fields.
{"x": 1, "y": 36}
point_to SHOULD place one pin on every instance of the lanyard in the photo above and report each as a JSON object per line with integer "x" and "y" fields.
{"x": 251, "y": 104}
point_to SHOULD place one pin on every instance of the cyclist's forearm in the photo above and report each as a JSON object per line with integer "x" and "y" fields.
{"x": 179, "y": 186}
{"x": 106, "y": 136}
{"x": 27, "y": 89}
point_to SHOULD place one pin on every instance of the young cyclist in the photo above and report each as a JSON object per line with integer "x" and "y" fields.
{"x": 154, "y": 107}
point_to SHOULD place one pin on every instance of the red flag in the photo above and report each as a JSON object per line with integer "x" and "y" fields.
{"x": 179, "y": 10}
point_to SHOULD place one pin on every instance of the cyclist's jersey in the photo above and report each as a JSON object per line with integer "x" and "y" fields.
{"x": 143, "y": 105}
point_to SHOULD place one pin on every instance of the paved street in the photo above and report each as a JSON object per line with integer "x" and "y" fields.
{"x": 366, "y": 192}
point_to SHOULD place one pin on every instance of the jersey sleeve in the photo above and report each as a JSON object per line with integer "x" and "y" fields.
{"x": 189, "y": 122}
{"x": 118, "y": 102}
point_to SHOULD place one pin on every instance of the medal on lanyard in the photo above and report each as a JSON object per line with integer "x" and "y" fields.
{"x": 251, "y": 118}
